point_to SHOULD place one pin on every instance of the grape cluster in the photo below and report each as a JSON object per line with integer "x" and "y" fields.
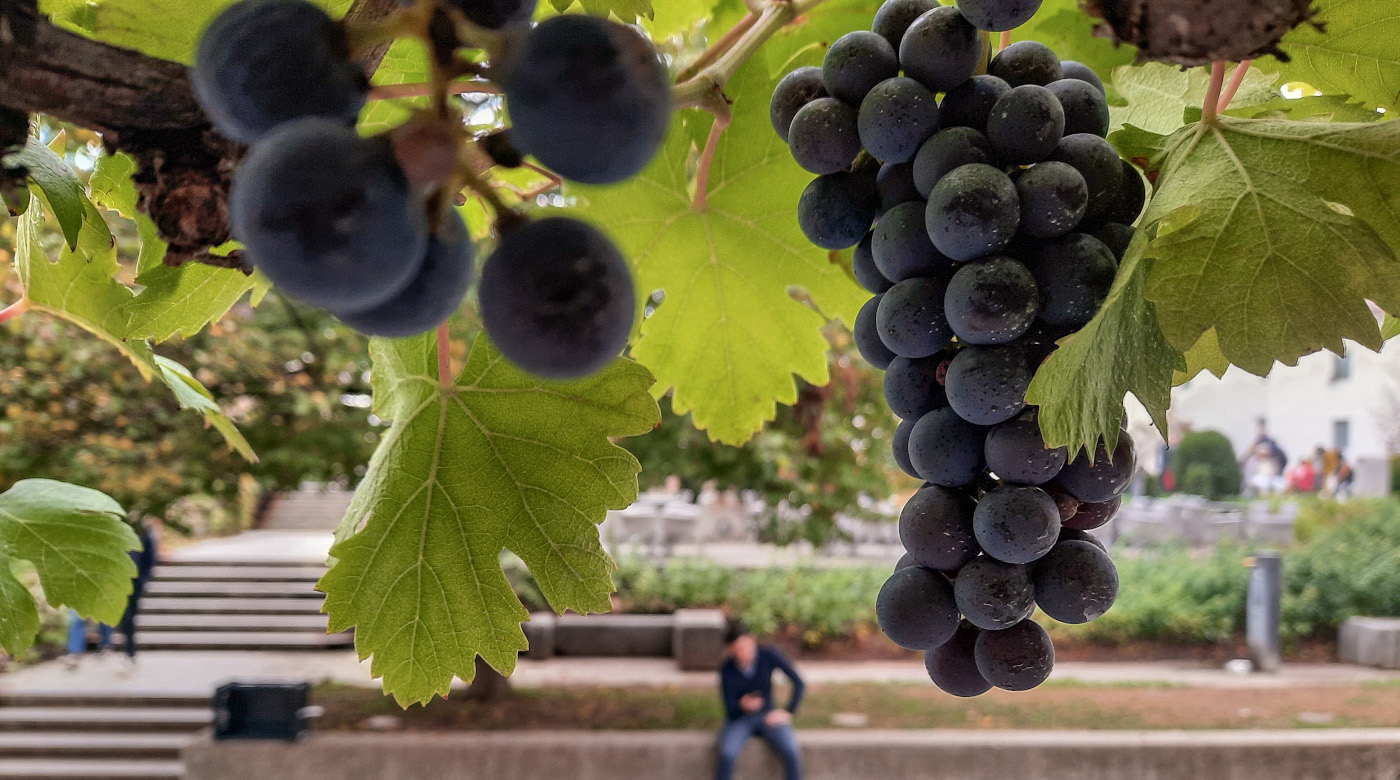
{"x": 988, "y": 215}
{"x": 365, "y": 226}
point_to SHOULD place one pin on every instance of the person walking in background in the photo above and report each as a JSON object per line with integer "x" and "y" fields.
{"x": 1302, "y": 478}
{"x": 77, "y": 638}
{"x": 1344, "y": 478}
{"x": 746, "y": 685}
{"x": 145, "y": 560}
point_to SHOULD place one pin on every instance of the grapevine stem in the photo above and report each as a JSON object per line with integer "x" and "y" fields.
{"x": 706, "y": 88}
{"x": 1234, "y": 86}
{"x": 1005, "y": 40}
{"x": 391, "y": 91}
{"x": 1210, "y": 108}
{"x": 707, "y": 157}
{"x": 724, "y": 44}
{"x": 444, "y": 356}
{"x": 15, "y": 309}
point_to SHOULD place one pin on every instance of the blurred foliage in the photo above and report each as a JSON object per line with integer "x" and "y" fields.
{"x": 1220, "y": 476}
{"x": 812, "y": 462}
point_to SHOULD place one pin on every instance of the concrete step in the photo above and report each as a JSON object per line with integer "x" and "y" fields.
{"x": 208, "y": 573}
{"x": 233, "y": 589}
{"x": 141, "y": 720}
{"x": 93, "y": 768}
{"x": 230, "y": 606}
{"x": 245, "y": 640}
{"x": 223, "y": 564}
{"x": 79, "y": 698}
{"x": 94, "y": 744}
{"x": 201, "y": 622}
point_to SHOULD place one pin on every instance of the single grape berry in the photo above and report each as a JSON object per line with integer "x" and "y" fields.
{"x": 941, "y": 49}
{"x": 1103, "y": 480}
{"x": 1053, "y": 197}
{"x": 794, "y": 91}
{"x": 911, "y": 319}
{"x": 1016, "y": 451}
{"x": 946, "y": 449}
{"x": 824, "y": 136}
{"x": 1132, "y": 196}
{"x": 895, "y": 16}
{"x": 953, "y": 667}
{"x": 1078, "y": 70}
{"x": 863, "y": 267}
{"x": 328, "y": 216}
{"x": 1017, "y": 658}
{"x": 991, "y": 301}
{"x": 905, "y": 561}
{"x": 836, "y": 210}
{"x": 1016, "y": 523}
{"x": 935, "y": 526}
{"x": 895, "y": 118}
{"x": 496, "y": 14}
{"x": 261, "y": 63}
{"x": 1115, "y": 236}
{"x": 972, "y": 212}
{"x": 1075, "y": 582}
{"x": 1074, "y": 274}
{"x": 895, "y": 183}
{"x": 855, "y": 63}
{"x": 588, "y": 97}
{"x": 1068, "y": 534}
{"x": 992, "y": 594}
{"x": 946, "y": 151}
{"x": 1090, "y": 516}
{"x": 899, "y": 443}
{"x": 1026, "y": 125}
{"x": 970, "y": 103}
{"x": 1026, "y": 62}
{"x": 1097, "y": 161}
{"x": 901, "y": 246}
{"x": 915, "y": 608}
{"x": 914, "y": 386}
{"x": 1086, "y": 110}
{"x": 557, "y": 298}
{"x": 433, "y": 295}
{"x": 998, "y": 15}
{"x": 987, "y": 385}
{"x": 867, "y": 337}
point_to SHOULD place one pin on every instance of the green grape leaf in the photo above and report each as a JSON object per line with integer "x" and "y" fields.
{"x": 1080, "y": 388}
{"x": 52, "y": 179}
{"x": 186, "y": 298}
{"x": 168, "y": 31}
{"x": 1390, "y": 328}
{"x": 500, "y": 460}
{"x": 112, "y": 188}
{"x": 1064, "y": 27}
{"x": 1314, "y": 108}
{"x": 730, "y": 335}
{"x": 1297, "y": 229}
{"x": 406, "y": 62}
{"x": 627, "y": 11}
{"x": 1204, "y": 356}
{"x": 76, "y": 540}
{"x": 1159, "y": 95}
{"x": 192, "y": 395}
{"x": 677, "y": 16}
{"x": 1355, "y": 55}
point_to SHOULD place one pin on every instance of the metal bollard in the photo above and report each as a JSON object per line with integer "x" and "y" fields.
{"x": 1261, "y": 618}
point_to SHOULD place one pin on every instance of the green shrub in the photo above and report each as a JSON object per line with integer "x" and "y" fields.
{"x": 1211, "y": 450}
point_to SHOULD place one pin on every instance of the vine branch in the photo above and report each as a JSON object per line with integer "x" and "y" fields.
{"x": 15, "y": 309}
{"x": 719, "y": 47}
{"x": 1210, "y": 108}
{"x": 705, "y": 89}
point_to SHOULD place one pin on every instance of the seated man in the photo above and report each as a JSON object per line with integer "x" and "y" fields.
{"x": 746, "y": 683}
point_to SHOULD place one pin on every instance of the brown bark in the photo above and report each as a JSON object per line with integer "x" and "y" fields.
{"x": 143, "y": 106}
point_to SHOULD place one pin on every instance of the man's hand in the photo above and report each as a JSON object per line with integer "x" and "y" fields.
{"x": 777, "y": 718}
{"x": 751, "y": 702}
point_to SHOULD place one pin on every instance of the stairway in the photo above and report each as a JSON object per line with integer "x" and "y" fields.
{"x": 306, "y": 510}
{"x": 234, "y": 605}
{"x": 66, "y": 735}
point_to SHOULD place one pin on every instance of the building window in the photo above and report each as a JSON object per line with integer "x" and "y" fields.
{"x": 1341, "y": 367}
{"x": 1341, "y": 435}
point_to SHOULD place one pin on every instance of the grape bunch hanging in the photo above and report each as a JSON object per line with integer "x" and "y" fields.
{"x": 366, "y": 227}
{"x": 988, "y": 224}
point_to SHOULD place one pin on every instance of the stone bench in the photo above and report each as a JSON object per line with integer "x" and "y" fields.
{"x": 694, "y": 637}
{"x": 1327, "y": 754}
{"x": 1370, "y": 642}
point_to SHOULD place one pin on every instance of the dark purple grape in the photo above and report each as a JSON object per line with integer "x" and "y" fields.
{"x": 992, "y": 594}
{"x": 864, "y": 269}
{"x": 901, "y": 246}
{"x": 914, "y": 386}
{"x": 1016, "y": 452}
{"x": 895, "y": 183}
{"x": 855, "y": 63}
{"x": 1026, "y": 125}
{"x": 915, "y": 608}
{"x": 911, "y": 318}
{"x": 946, "y": 449}
{"x": 991, "y": 301}
{"x": 895, "y": 16}
{"x": 953, "y": 666}
{"x": 1097, "y": 161}
{"x": 972, "y": 212}
{"x": 899, "y": 444}
{"x": 796, "y": 90}
{"x": 941, "y": 49}
{"x": 867, "y": 336}
{"x": 987, "y": 385}
{"x": 970, "y": 103}
{"x": 935, "y": 526}
{"x": 1075, "y": 582}
{"x": 1016, "y": 524}
{"x": 1103, "y": 480}
{"x": 823, "y": 136}
{"x": 946, "y": 151}
{"x": 1017, "y": 658}
{"x": 1086, "y": 110}
{"x": 1026, "y": 62}
{"x": 1091, "y": 516}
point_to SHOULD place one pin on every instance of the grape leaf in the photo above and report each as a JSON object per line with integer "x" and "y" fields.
{"x": 1390, "y": 328}
{"x": 501, "y": 460}
{"x": 1315, "y": 108}
{"x": 1204, "y": 356}
{"x": 112, "y": 188}
{"x": 406, "y": 62}
{"x": 1355, "y": 55}
{"x": 51, "y": 178}
{"x": 817, "y": 28}
{"x": 186, "y": 298}
{"x": 192, "y": 395}
{"x": 676, "y": 16}
{"x": 1298, "y": 227}
{"x": 1064, "y": 27}
{"x": 1080, "y": 388}
{"x": 627, "y": 11}
{"x": 729, "y": 335}
{"x": 76, "y": 540}
{"x": 169, "y": 31}
{"x": 1158, "y": 95}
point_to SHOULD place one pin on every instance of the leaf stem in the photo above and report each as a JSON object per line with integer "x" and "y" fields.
{"x": 1210, "y": 108}
{"x": 706, "y": 88}
{"x": 15, "y": 309}
{"x": 724, "y": 44}
{"x": 707, "y": 157}
{"x": 391, "y": 91}
{"x": 1005, "y": 40}
{"x": 1236, "y": 80}
{"x": 444, "y": 356}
